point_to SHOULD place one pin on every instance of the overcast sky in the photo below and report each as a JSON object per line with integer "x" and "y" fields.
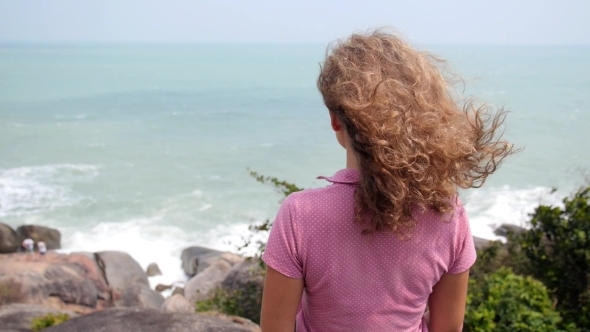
{"x": 288, "y": 21}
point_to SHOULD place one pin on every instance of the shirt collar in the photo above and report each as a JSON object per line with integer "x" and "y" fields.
{"x": 350, "y": 176}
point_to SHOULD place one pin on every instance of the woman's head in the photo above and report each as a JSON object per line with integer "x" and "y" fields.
{"x": 415, "y": 145}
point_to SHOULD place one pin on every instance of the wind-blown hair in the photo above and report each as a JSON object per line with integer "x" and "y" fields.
{"x": 416, "y": 144}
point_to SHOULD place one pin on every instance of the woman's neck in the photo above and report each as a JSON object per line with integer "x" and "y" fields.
{"x": 351, "y": 160}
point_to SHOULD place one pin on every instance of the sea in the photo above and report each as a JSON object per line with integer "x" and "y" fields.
{"x": 147, "y": 148}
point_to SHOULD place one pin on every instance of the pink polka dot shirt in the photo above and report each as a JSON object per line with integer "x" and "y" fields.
{"x": 355, "y": 282}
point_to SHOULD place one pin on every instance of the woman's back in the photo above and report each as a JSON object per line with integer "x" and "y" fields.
{"x": 356, "y": 282}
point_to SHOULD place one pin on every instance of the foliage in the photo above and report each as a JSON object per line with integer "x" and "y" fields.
{"x": 503, "y": 301}
{"x": 244, "y": 301}
{"x": 48, "y": 320}
{"x": 10, "y": 292}
{"x": 557, "y": 248}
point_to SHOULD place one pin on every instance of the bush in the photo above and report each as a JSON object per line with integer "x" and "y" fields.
{"x": 10, "y": 292}
{"x": 244, "y": 302}
{"x": 504, "y": 301}
{"x": 557, "y": 248}
{"x": 48, "y": 320}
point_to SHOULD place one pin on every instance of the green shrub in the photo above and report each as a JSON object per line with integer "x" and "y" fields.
{"x": 244, "y": 302}
{"x": 10, "y": 292}
{"x": 48, "y": 320}
{"x": 504, "y": 301}
{"x": 557, "y": 248}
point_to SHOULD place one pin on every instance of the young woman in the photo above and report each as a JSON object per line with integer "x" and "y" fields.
{"x": 389, "y": 236}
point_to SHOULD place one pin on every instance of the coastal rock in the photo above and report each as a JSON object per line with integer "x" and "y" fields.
{"x": 203, "y": 285}
{"x": 51, "y": 237}
{"x": 153, "y": 270}
{"x": 244, "y": 275}
{"x": 480, "y": 243}
{"x": 160, "y": 288}
{"x": 177, "y": 303}
{"x": 121, "y": 270}
{"x": 10, "y": 241}
{"x": 191, "y": 255}
{"x": 148, "y": 320}
{"x": 504, "y": 229}
{"x": 19, "y": 317}
{"x": 178, "y": 290}
{"x": 64, "y": 282}
{"x": 138, "y": 295}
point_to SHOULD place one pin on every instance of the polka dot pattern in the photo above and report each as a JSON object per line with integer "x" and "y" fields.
{"x": 357, "y": 282}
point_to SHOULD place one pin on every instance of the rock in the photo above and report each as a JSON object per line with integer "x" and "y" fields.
{"x": 153, "y": 270}
{"x": 121, "y": 270}
{"x": 203, "y": 285}
{"x": 190, "y": 258}
{"x": 480, "y": 243}
{"x": 19, "y": 317}
{"x": 504, "y": 229}
{"x": 64, "y": 282}
{"x": 177, "y": 303}
{"x": 178, "y": 290}
{"x": 244, "y": 275}
{"x": 149, "y": 320}
{"x": 138, "y": 295}
{"x": 160, "y": 288}
{"x": 51, "y": 237}
{"x": 10, "y": 241}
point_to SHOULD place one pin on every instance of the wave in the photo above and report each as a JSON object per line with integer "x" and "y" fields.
{"x": 35, "y": 189}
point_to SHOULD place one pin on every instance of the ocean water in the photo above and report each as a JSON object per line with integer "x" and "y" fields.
{"x": 145, "y": 148}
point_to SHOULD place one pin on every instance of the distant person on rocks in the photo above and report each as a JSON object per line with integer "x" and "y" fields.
{"x": 389, "y": 235}
{"x": 42, "y": 249}
{"x": 29, "y": 246}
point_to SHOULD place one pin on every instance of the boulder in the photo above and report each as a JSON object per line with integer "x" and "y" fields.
{"x": 177, "y": 303}
{"x": 160, "y": 288}
{"x": 178, "y": 290}
{"x": 244, "y": 275}
{"x": 480, "y": 243}
{"x": 138, "y": 295}
{"x": 149, "y": 320}
{"x": 153, "y": 270}
{"x": 203, "y": 285}
{"x": 51, "y": 237}
{"x": 504, "y": 229}
{"x": 10, "y": 240}
{"x": 19, "y": 317}
{"x": 121, "y": 270}
{"x": 191, "y": 255}
{"x": 64, "y": 282}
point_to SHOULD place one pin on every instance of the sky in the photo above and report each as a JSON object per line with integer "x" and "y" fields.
{"x": 288, "y": 21}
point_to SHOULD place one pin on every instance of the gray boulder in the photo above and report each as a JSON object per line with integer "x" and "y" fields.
{"x": 51, "y": 237}
{"x": 244, "y": 275}
{"x": 138, "y": 295}
{"x": 153, "y": 270}
{"x": 191, "y": 255}
{"x": 504, "y": 229}
{"x": 121, "y": 270}
{"x": 203, "y": 285}
{"x": 128, "y": 280}
{"x": 19, "y": 316}
{"x": 177, "y": 303}
{"x": 149, "y": 320}
{"x": 10, "y": 241}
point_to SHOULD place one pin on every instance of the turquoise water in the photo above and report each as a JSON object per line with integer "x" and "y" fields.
{"x": 145, "y": 148}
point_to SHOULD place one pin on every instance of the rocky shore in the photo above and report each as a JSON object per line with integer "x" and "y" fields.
{"x": 108, "y": 290}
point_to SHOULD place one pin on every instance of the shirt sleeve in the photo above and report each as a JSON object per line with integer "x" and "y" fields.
{"x": 281, "y": 251}
{"x": 464, "y": 246}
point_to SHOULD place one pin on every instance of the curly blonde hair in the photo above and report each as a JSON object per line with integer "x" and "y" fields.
{"x": 416, "y": 144}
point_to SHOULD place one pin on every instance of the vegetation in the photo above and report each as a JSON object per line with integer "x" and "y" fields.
{"x": 10, "y": 292}
{"x": 504, "y": 301}
{"x": 539, "y": 280}
{"x": 48, "y": 320}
